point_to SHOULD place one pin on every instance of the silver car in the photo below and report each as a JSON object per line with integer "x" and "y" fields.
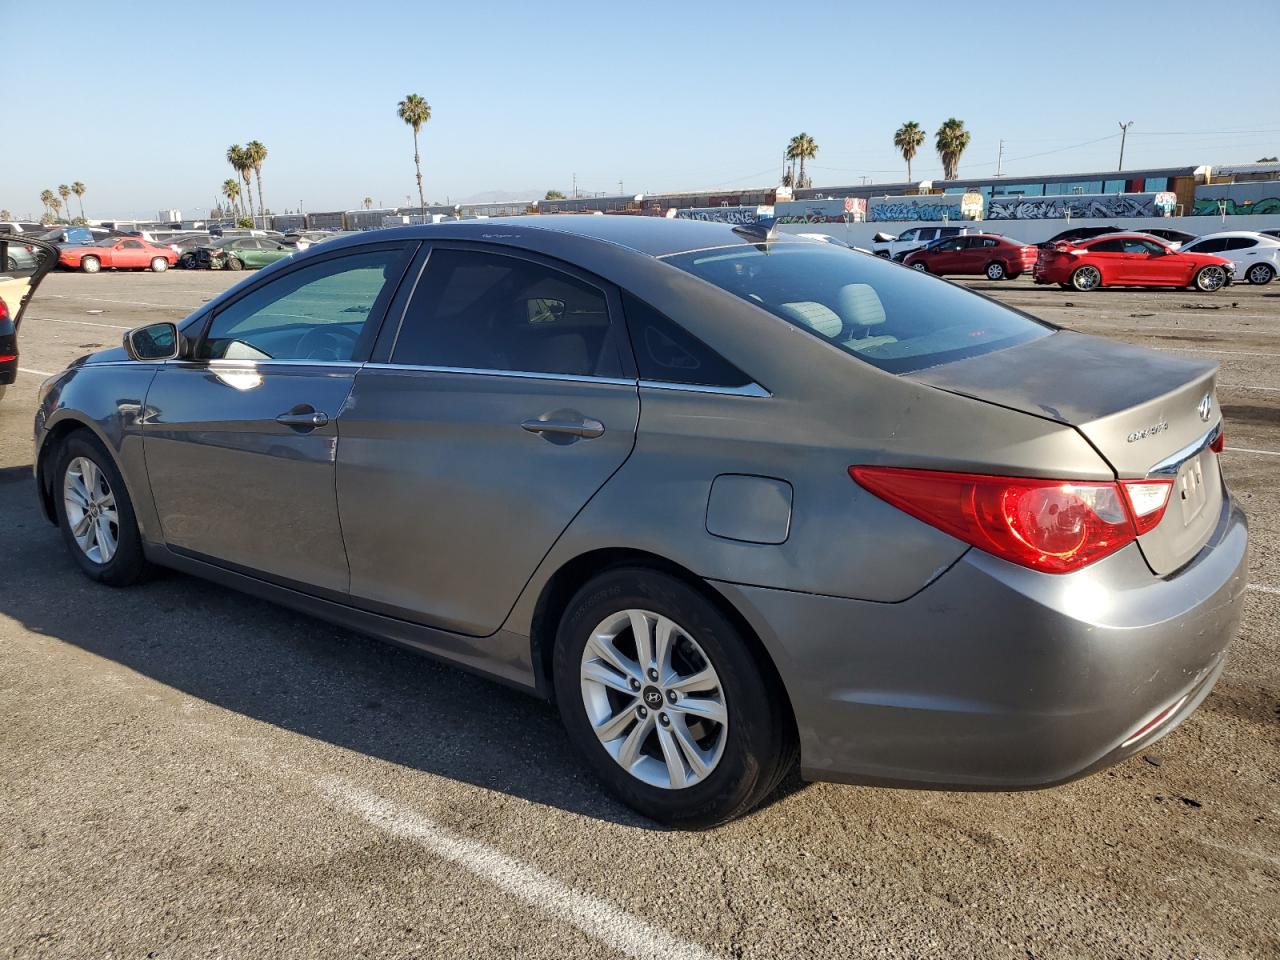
{"x": 735, "y": 501}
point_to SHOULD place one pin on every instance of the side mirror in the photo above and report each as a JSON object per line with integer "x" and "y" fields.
{"x": 154, "y": 342}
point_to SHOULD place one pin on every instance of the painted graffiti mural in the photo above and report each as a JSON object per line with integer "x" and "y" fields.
{"x": 1236, "y": 199}
{"x": 1102, "y": 206}
{"x": 922, "y": 207}
{"x": 841, "y": 210}
{"x": 734, "y": 215}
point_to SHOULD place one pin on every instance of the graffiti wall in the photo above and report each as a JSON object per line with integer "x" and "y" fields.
{"x": 948, "y": 206}
{"x": 837, "y": 210}
{"x": 735, "y": 215}
{"x": 1237, "y": 199}
{"x": 1100, "y": 206}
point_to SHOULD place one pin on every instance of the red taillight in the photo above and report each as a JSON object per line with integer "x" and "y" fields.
{"x": 1055, "y": 526}
{"x": 1147, "y": 500}
{"x": 4, "y": 311}
{"x": 1219, "y": 443}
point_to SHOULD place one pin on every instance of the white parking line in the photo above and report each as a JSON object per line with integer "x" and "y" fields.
{"x": 594, "y": 916}
{"x": 82, "y": 323}
{"x": 1229, "y": 353}
{"x": 1263, "y": 453}
{"x": 1274, "y": 591}
{"x": 132, "y": 303}
{"x": 1245, "y": 386}
{"x": 37, "y": 373}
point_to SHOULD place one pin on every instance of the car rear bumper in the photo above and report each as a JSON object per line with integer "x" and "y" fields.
{"x": 998, "y": 677}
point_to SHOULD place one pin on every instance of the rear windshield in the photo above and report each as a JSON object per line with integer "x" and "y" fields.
{"x": 888, "y": 315}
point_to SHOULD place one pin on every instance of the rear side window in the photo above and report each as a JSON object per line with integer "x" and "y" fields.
{"x": 1241, "y": 243}
{"x": 1216, "y": 245}
{"x": 1107, "y": 246}
{"x": 485, "y": 311}
{"x": 667, "y": 353}
{"x": 892, "y": 318}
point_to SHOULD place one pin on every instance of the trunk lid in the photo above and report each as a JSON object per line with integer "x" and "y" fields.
{"x": 1147, "y": 413}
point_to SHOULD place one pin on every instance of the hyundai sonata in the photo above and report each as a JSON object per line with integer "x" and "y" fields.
{"x": 735, "y": 501}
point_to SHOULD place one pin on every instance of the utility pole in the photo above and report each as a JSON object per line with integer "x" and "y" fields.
{"x": 574, "y": 188}
{"x": 1000, "y": 161}
{"x": 619, "y": 188}
{"x": 1124, "y": 131}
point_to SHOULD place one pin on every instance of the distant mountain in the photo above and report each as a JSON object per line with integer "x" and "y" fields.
{"x": 502, "y": 196}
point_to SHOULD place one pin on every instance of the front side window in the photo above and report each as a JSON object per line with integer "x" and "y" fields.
{"x": 1145, "y": 247}
{"x": 131, "y": 245}
{"x": 892, "y": 318}
{"x": 485, "y": 311}
{"x": 317, "y": 312}
{"x": 1107, "y": 246}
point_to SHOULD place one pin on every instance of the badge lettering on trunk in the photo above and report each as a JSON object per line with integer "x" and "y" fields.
{"x": 1150, "y": 431}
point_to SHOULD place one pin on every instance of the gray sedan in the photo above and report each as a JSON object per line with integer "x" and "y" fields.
{"x": 735, "y": 501}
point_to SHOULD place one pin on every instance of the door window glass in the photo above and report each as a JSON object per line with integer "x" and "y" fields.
{"x": 1107, "y": 246}
{"x": 485, "y": 311}
{"x": 1240, "y": 243}
{"x": 131, "y": 245}
{"x": 317, "y": 312}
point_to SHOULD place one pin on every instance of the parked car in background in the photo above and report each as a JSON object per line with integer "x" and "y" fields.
{"x": 1074, "y": 234}
{"x": 302, "y": 239}
{"x": 24, "y": 262}
{"x": 240, "y": 253}
{"x": 975, "y": 255}
{"x": 895, "y": 248}
{"x": 22, "y": 226}
{"x": 834, "y": 241}
{"x": 1271, "y": 233}
{"x": 1129, "y": 260}
{"x": 117, "y": 253}
{"x": 79, "y": 235}
{"x": 1173, "y": 238}
{"x": 1255, "y": 256}
{"x": 994, "y": 573}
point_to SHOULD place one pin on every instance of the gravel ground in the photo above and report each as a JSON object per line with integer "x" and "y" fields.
{"x": 188, "y": 772}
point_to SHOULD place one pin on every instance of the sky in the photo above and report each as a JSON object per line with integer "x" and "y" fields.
{"x": 140, "y": 101}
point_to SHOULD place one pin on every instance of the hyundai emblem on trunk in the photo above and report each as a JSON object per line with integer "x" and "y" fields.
{"x": 1205, "y": 408}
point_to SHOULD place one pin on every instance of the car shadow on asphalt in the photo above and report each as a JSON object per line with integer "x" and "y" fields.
{"x": 295, "y": 672}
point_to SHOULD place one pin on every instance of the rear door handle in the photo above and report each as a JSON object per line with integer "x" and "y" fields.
{"x": 306, "y": 418}
{"x": 586, "y": 428}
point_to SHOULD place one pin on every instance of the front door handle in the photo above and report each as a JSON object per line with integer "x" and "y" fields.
{"x": 303, "y": 418}
{"x": 586, "y": 427}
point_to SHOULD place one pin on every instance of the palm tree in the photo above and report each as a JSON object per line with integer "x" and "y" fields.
{"x": 368, "y": 203}
{"x": 231, "y": 190}
{"x": 951, "y": 140}
{"x": 909, "y": 139}
{"x": 415, "y": 111}
{"x": 47, "y": 197}
{"x": 64, "y": 192}
{"x": 78, "y": 189}
{"x": 802, "y": 147}
{"x": 256, "y": 153}
{"x": 238, "y": 157}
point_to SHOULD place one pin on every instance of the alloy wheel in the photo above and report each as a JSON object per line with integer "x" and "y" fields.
{"x": 654, "y": 699}
{"x": 1260, "y": 273}
{"x": 91, "y": 510}
{"x": 1086, "y": 278}
{"x": 1211, "y": 278}
{"x": 995, "y": 271}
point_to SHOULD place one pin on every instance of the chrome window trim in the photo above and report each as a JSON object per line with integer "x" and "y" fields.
{"x": 220, "y": 363}
{"x": 747, "y": 390}
{"x": 1170, "y": 465}
{"x": 483, "y": 371}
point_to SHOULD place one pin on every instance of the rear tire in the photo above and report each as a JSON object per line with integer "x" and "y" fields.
{"x": 1260, "y": 274}
{"x": 233, "y": 263}
{"x": 1210, "y": 279}
{"x": 920, "y": 266}
{"x": 996, "y": 271}
{"x": 1086, "y": 279}
{"x": 646, "y": 760}
{"x": 159, "y": 265}
{"x": 83, "y": 464}
{"x": 90, "y": 264}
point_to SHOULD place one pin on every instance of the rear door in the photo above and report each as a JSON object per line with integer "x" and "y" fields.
{"x": 496, "y": 412}
{"x": 23, "y": 264}
{"x": 1109, "y": 257}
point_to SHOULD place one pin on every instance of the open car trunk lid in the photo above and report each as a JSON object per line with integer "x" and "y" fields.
{"x": 24, "y": 262}
{"x": 1147, "y": 413}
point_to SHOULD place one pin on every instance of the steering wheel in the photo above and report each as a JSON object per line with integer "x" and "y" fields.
{"x": 322, "y": 343}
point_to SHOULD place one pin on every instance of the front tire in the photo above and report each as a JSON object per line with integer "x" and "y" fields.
{"x": 920, "y": 266}
{"x": 996, "y": 271}
{"x": 666, "y": 700}
{"x": 159, "y": 265}
{"x": 1260, "y": 274}
{"x": 188, "y": 262}
{"x": 95, "y": 513}
{"x": 1210, "y": 279}
{"x": 233, "y": 263}
{"x": 1086, "y": 279}
{"x": 90, "y": 264}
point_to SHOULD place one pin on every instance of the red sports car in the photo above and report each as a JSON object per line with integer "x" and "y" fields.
{"x": 975, "y": 255}
{"x": 119, "y": 252}
{"x": 1129, "y": 260}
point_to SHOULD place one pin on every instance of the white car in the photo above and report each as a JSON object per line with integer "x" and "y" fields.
{"x": 895, "y": 248}
{"x": 1256, "y": 255}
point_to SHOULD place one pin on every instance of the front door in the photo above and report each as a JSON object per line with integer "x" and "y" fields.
{"x": 240, "y": 439}
{"x": 131, "y": 254}
{"x": 499, "y": 414}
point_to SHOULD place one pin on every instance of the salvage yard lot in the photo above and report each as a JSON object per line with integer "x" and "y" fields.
{"x": 188, "y": 772}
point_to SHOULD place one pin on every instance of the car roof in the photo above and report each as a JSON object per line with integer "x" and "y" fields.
{"x": 1222, "y": 234}
{"x": 653, "y": 236}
